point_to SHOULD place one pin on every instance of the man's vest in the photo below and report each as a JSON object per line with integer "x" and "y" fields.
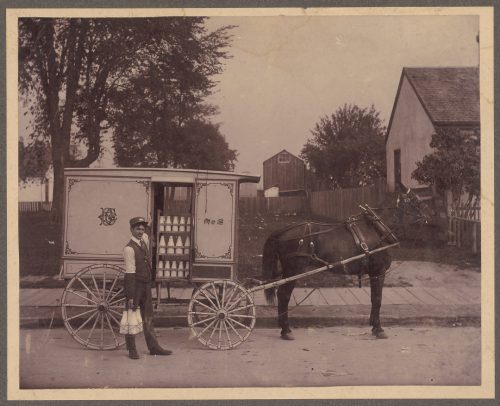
{"x": 142, "y": 262}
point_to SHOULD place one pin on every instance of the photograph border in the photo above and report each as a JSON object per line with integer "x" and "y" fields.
{"x": 487, "y": 387}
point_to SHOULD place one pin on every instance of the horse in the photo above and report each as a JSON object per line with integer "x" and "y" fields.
{"x": 311, "y": 243}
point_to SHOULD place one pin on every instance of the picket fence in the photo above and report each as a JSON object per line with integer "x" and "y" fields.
{"x": 464, "y": 228}
{"x": 34, "y": 207}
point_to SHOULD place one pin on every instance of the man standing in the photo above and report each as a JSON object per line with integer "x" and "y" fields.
{"x": 138, "y": 286}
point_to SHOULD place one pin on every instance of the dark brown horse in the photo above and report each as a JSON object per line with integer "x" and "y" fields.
{"x": 301, "y": 245}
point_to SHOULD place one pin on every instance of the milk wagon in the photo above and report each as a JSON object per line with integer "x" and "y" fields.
{"x": 193, "y": 216}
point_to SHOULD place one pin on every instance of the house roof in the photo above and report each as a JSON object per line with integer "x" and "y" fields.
{"x": 284, "y": 150}
{"x": 449, "y": 95}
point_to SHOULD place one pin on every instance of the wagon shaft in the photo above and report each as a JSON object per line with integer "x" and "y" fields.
{"x": 318, "y": 270}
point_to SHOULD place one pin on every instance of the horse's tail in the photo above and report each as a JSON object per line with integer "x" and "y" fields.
{"x": 270, "y": 266}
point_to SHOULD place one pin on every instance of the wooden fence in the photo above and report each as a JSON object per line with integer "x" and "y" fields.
{"x": 34, "y": 207}
{"x": 341, "y": 203}
{"x": 336, "y": 204}
{"x": 464, "y": 228}
{"x": 273, "y": 205}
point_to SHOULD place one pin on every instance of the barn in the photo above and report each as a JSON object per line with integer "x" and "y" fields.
{"x": 284, "y": 174}
{"x": 426, "y": 99}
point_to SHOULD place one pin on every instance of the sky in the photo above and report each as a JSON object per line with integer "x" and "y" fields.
{"x": 287, "y": 72}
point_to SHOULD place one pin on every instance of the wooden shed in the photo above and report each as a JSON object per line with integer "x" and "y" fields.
{"x": 285, "y": 173}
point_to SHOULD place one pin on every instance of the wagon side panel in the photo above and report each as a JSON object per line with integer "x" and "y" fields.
{"x": 215, "y": 222}
{"x": 97, "y": 214}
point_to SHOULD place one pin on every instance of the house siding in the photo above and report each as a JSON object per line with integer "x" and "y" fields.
{"x": 411, "y": 132}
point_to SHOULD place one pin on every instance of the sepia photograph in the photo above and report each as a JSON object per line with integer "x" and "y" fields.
{"x": 250, "y": 203}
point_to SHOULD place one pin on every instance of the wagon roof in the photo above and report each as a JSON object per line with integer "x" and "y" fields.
{"x": 159, "y": 172}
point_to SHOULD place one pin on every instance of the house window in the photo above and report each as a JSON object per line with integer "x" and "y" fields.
{"x": 283, "y": 158}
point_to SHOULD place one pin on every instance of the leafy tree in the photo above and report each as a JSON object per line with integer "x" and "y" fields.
{"x": 159, "y": 116}
{"x": 72, "y": 73}
{"x": 347, "y": 148}
{"x": 454, "y": 165}
{"x": 34, "y": 160}
{"x": 199, "y": 145}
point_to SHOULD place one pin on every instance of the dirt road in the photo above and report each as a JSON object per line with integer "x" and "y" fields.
{"x": 318, "y": 357}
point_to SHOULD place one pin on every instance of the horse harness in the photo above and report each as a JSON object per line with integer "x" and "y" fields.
{"x": 352, "y": 227}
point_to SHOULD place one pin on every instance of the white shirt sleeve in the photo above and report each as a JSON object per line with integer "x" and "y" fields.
{"x": 129, "y": 257}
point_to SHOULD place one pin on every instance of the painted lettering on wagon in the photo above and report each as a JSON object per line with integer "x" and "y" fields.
{"x": 219, "y": 222}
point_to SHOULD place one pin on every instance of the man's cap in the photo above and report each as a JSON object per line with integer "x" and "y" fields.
{"x": 138, "y": 220}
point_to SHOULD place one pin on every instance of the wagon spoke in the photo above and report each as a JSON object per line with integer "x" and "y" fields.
{"x": 111, "y": 328}
{"x": 223, "y": 293}
{"x": 207, "y": 327}
{"x": 78, "y": 305}
{"x": 104, "y": 285}
{"x": 247, "y": 316}
{"x": 240, "y": 308}
{"x": 216, "y": 295}
{"x": 95, "y": 284}
{"x": 227, "y": 334}
{"x": 116, "y": 302}
{"x": 213, "y": 331}
{"x": 114, "y": 311}
{"x": 204, "y": 305}
{"x": 235, "y": 331}
{"x": 230, "y": 296}
{"x": 210, "y": 300}
{"x": 203, "y": 313}
{"x": 114, "y": 319}
{"x": 85, "y": 322}
{"x": 81, "y": 314}
{"x": 203, "y": 321}
{"x": 112, "y": 287}
{"x": 238, "y": 323}
{"x": 237, "y": 301}
{"x": 116, "y": 294}
{"x": 93, "y": 328}
{"x": 220, "y": 334}
{"x": 87, "y": 289}
{"x": 102, "y": 329}
{"x": 83, "y": 297}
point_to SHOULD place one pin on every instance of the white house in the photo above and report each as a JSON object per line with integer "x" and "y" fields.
{"x": 428, "y": 98}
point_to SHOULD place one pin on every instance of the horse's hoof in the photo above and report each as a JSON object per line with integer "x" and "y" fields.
{"x": 380, "y": 334}
{"x": 287, "y": 336}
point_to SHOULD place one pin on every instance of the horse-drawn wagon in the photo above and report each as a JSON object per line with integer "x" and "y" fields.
{"x": 194, "y": 218}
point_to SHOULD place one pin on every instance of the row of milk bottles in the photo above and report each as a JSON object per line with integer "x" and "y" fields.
{"x": 178, "y": 248}
{"x": 177, "y": 224}
{"x": 179, "y": 269}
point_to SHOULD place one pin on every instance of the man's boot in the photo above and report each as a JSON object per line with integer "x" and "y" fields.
{"x": 130, "y": 343}
{"x": 157, "y": 350}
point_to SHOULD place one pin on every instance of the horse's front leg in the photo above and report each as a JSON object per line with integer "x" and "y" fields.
{"x": 284, "y": 294}
{"x": 376, "y": 285}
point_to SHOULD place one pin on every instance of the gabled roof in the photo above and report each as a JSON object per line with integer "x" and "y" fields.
{"x": 284, "y": 150}
{"x": 450, "y": 96}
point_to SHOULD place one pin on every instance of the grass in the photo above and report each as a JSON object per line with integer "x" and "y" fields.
{"x": 39, "y": 263}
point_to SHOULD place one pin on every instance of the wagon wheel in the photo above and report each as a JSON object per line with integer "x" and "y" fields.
{"x": 221, "y": 314}
{"x": 92, "y": 306}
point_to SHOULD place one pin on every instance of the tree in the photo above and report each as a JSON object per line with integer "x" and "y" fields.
{"x": 160, "y": 115}
{"x": 34, "y": 160}
{"x": 200, "y": 145}
{"x": 347, "y": 148}
{"x": 454, "y": 165}
{"x": 71, "y": 72}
